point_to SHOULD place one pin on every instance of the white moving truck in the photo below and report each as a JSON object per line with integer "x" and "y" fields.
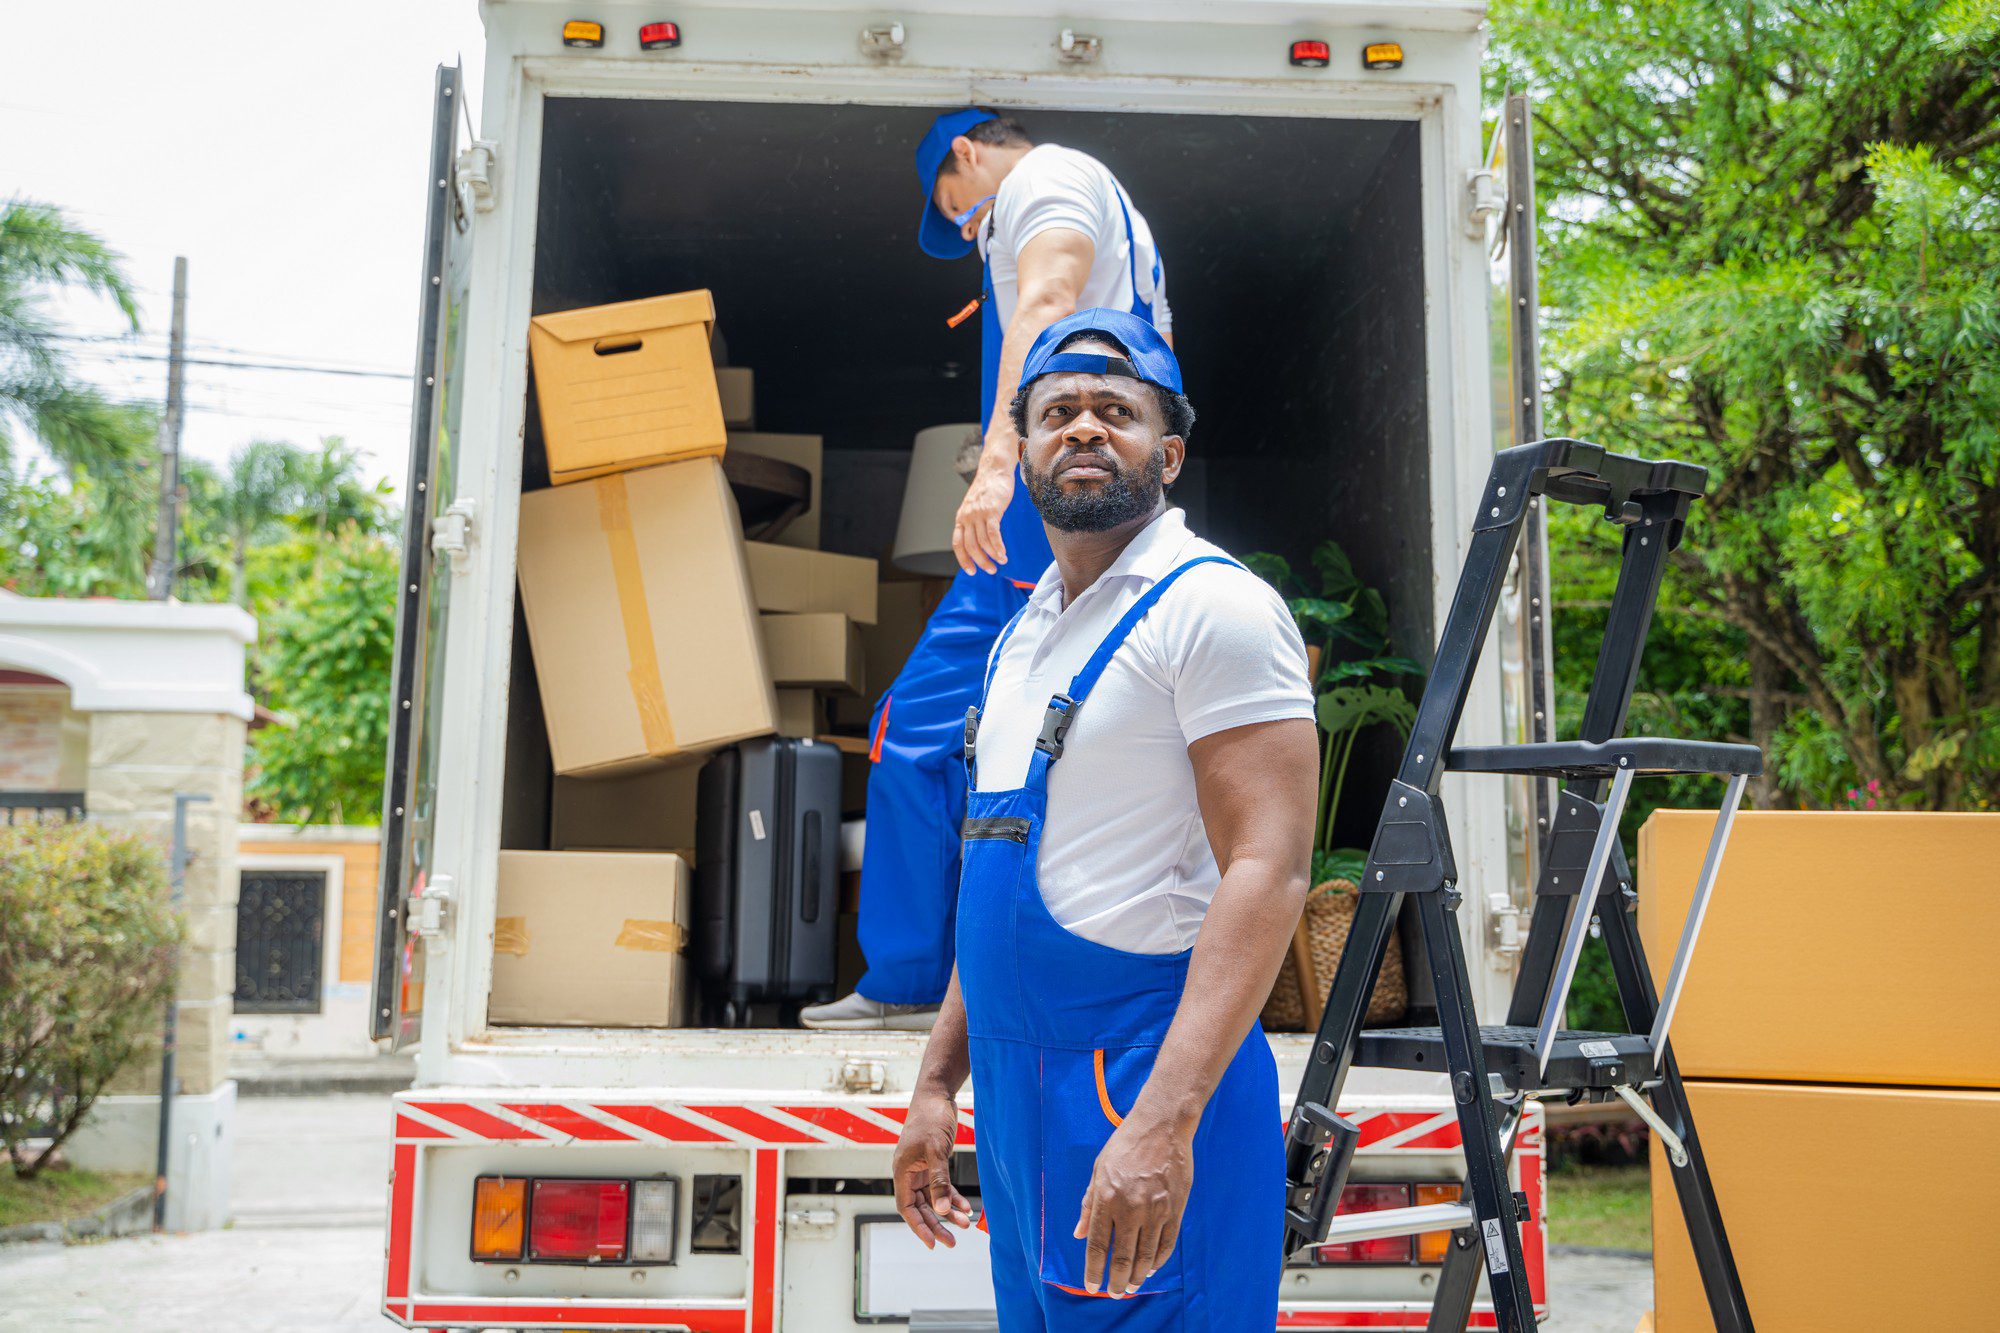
{"x": 1326, "y": 220}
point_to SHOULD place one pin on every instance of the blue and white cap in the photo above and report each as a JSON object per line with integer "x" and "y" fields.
{"x": 936, "y": 236}
{"x": 1147, "y": 356}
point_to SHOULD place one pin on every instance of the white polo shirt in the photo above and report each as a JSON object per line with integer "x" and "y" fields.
{"x": 1050, "y": 187}
{"x": 1125, "y": 859}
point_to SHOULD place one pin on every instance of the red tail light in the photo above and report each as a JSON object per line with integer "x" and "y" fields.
{"x": 1383, "y": 1249}
{"x": 579, "y": 1221}
{"x": 1312, "y": 55}
{"x": 659, "y": 36}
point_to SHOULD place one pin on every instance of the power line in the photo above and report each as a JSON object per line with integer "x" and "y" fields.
{"x": 297, "y": 368}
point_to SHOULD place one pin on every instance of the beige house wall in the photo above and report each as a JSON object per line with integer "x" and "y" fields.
{"x": 44, "y": 745}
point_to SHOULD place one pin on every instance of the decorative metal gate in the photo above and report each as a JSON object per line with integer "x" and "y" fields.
{"x": 280, "y": 938}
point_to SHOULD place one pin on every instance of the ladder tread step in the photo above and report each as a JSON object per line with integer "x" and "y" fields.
{"x": 1601, "y": 759}
{"x": 1577, "y": 1060}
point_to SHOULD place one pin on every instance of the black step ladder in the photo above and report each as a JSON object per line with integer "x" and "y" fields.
{"x": 1492, "y": 1069}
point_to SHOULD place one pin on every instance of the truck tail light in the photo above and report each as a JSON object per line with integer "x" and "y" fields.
{"x": 655, "y": 1205}
{"x": 1432, "y": 1246}
{"x": 659, "y": 36}
{"x": 1312, "y": 55}
{"x": 583, "y": 32}
{"x": 1381, "y": 1250}
{"x": 579, "y": 1221}
{"x": 499, "y": 1215}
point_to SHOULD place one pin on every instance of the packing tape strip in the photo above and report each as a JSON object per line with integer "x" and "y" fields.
{"x": 614, "y": 515}
{"x": 651, "y": 936}
{"x": 510, "y": 935}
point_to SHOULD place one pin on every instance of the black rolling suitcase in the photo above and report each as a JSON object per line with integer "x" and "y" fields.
{"x": 767, "y": 851}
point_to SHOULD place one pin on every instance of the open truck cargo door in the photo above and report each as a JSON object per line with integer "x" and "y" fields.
{"x": 1503, "y": 207}
{"x": 435, "y": 530}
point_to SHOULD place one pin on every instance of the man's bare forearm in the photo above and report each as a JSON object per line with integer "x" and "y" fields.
{"x": 1002, "y": 446}
{"x": 947, "y": 1061}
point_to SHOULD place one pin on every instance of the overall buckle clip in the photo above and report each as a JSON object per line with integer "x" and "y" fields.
{"x": 1055, "y": 725}
{"x": 971, "y": 731}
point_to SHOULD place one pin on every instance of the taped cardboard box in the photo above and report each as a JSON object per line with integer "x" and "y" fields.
{"x": 821, "y": 650}
{"x": 590, "y": 939}
{"x": 800, "y": 451}
{"x": 737, "y": 388}
{"x": 786, "y": 578}
{"x": 646, "y": 811}
{"x": 640, "y": 616}
{"x": 903, "y": 608}
{"x": 626, "y": 385}
{"x": 799, "y": 714}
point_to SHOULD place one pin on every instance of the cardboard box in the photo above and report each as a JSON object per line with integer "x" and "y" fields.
{"x": 1839, "y": 946}
{"x": 737, "y": 388}
{"x": 590, "y": 939}
{"x": 821, "y": 650}
{"x": 1847, "y": 1208}
{"x": 641, "y": 620}
{"x": 902, "y": 609}
{"x": 799, "y": 714}
{"x": 646, "y": 811}
{"x": 787, "y": 578}
{"x": 800, "y": 451}
{"x": 626, "y": 385}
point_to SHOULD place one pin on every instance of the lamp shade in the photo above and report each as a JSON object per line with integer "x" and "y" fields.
{"x": 931, "y": 496}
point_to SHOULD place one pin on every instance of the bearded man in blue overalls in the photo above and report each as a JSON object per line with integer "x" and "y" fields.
{"x": 1058, "y": 233}
{"x": 1136, "y": 846}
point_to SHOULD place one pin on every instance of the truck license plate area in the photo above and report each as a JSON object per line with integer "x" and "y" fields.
{"x": 895, "y": 1276}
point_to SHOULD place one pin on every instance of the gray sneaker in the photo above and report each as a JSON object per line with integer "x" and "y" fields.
{"x": 859, "y": 1013}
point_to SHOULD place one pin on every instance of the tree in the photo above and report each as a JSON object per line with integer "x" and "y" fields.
{"x": 39, "y": 251}
{"x": 1771, "y": 241}
{"x": 90, "y": 533}
{"x": 325, "y": 669}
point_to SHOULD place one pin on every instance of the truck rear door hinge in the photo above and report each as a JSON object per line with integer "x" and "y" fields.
{"x": 430, "y": 909}
{"x": 883, "y": 43}
{"x": 1485, "y": 198}
{"x": 1503, "y": 924}
{"x": 1077, "y": 48}
{"x": 863, "y": 1076}
{"x": 474, "y": 171}
{"x": 451, "y": 533}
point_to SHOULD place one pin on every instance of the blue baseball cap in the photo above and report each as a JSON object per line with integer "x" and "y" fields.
{"x": 1147, "y": 356}
{"x": 936, "y": 236}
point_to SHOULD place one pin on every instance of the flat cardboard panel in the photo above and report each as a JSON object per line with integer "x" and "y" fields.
{"x": 1839, "y": 947}
{"x": 647, "y": 811}
{"x": 788, "y": 578}
{"x": 820, "y": 650}
{"x": 590, "y": 939}
{"x": 737, "y": 387}
{"x": 1847, "y": 1208}
{"x": 626, "y": 385}
{"x": 675, "y": 627}
{"x": 799, "y": 714}
{"x": 800, "y": 451}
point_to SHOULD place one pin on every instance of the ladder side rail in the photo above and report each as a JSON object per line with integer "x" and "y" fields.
{"x": 1579, "y": 922}
{"x": 1711, "y": 866}
{"x": 1354, "y": 975}
{"x": 1642, "y": 564}
{"x": 1458, "y": 1279}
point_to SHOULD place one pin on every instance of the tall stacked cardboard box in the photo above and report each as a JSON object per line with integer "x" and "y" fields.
{"x": 1840, "y": 1038}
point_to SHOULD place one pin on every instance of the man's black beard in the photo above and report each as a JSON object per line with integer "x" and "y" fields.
{"x": 1125, "y": 497}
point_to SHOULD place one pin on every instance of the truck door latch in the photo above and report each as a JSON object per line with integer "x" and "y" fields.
{"x": 451, "y": 533}
{"x": 1078, "y": 49}
{"x": 810, "y": 1223}
{"x": 474, "y": 171}
{"x": 430, "y": 913}
{"x": 1485, "y": 202}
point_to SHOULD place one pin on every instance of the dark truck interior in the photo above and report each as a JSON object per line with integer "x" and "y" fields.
{"x": 1295, "y": 273}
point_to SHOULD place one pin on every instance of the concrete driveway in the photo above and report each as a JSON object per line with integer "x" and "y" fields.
{"x": 305, "y": 1252}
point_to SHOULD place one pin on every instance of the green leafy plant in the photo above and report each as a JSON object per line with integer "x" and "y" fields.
{"x": 87, "y": 935}
{"x": 1345, "y": 624}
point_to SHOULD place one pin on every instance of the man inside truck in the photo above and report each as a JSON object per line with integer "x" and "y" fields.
{"x": 1057, "y": 233}
{"x": 1136, "y": 852}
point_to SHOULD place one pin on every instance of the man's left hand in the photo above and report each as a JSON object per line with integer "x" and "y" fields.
{"x": 1132, "y": 1211}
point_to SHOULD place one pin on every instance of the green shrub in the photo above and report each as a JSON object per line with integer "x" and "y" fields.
{"x": 87, "y": 936}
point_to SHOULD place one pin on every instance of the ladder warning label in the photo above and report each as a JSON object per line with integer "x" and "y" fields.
{"x": 1596, "y": 1049}
{"x": 1496, "y": 1246}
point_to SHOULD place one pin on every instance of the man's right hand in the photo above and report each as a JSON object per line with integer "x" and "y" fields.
{"x": 921, "y": 1170}
{"x": 975, "y": 536}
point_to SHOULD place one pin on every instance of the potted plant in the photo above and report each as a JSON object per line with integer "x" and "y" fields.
{"x": 1355, "y": 678}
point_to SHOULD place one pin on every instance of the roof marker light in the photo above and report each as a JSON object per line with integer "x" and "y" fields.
{"x": 1382, "y": 55}
{"x": 659, "y": 36}
{"x": 1312, "y": 55}
{"x": 583, "y": 32}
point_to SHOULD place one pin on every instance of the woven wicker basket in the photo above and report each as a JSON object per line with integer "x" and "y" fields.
{"x": 1318, "y": 941}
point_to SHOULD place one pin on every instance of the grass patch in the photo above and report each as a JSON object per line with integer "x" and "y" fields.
{"x": 1609, "y": 1206}
{"x": 59, "y": 1196}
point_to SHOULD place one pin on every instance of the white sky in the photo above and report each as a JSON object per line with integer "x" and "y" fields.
{"x": 281, "y": 146}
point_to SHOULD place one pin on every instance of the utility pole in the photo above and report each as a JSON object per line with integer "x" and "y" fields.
{"x": 160, "y": 579}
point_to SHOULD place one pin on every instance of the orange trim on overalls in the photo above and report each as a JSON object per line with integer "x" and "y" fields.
{"x": 881, "y": 730}
{"x": 1025, "y": 587}
{"x": 1104, "y": 1102}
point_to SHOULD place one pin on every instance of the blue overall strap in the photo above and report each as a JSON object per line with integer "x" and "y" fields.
{"x": 1062, "y": 708}
{"x": 1140, "y": 306}
{"x": 972, "y": 713}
